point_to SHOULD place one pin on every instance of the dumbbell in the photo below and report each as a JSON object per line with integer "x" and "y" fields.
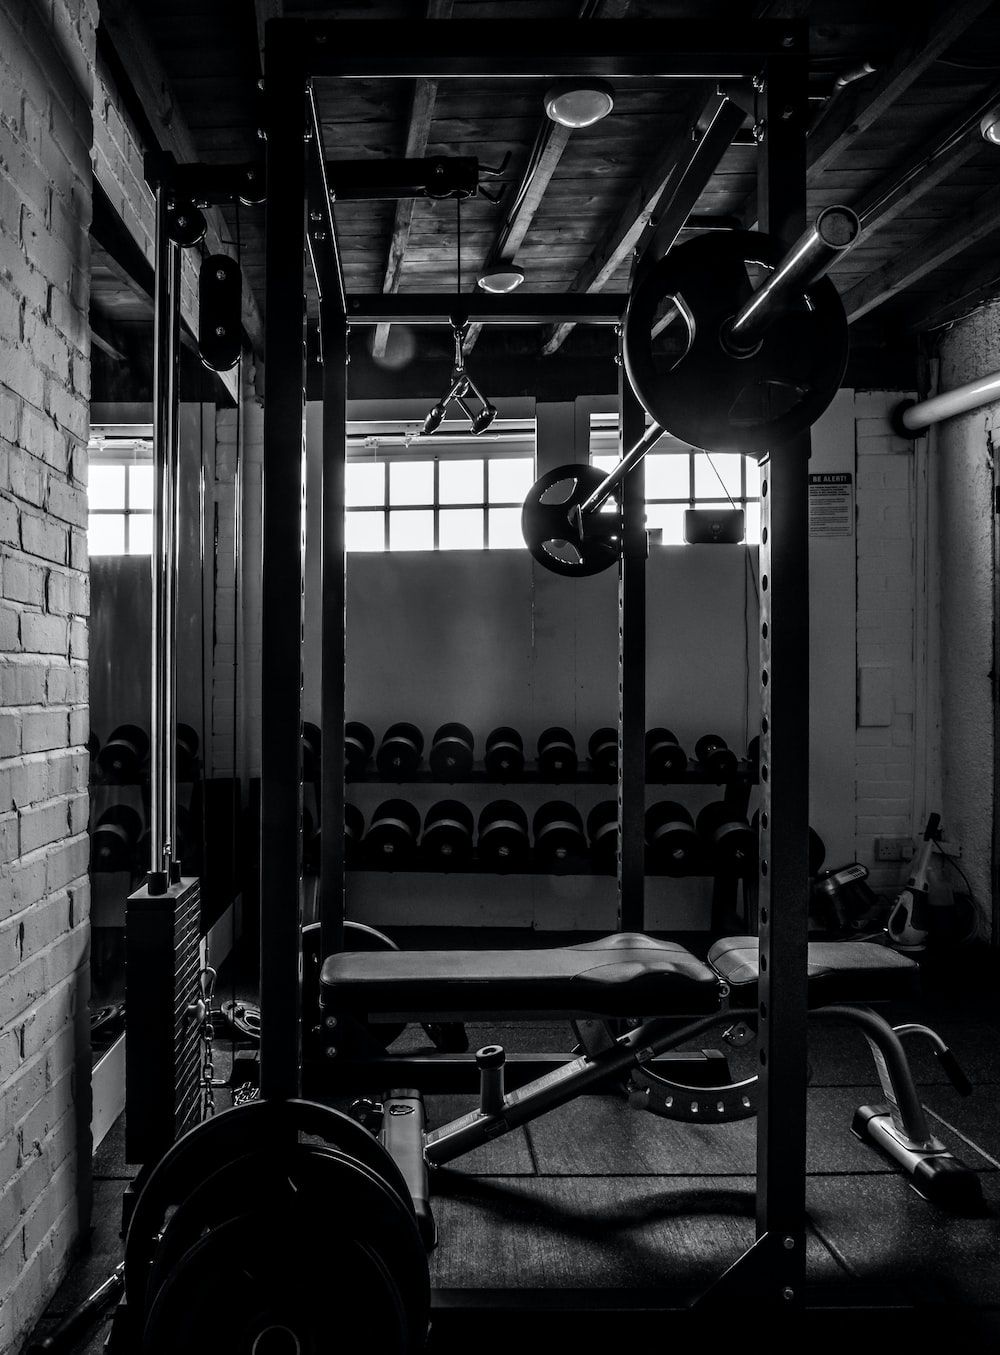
{"x": 603, "y": 750}
{"x": 716, "y": 757}
{"x": 504, "y": 755}
{"x": 557, "y": 760}
{"x": 672, "y": 843}
{"x": 400, "y": 751}
{"x": 452, "y": 752}
{"x": 503, "y": 835}
{"x": 114, "y": 841}
{"x": 121, "y": 758}
{"x": 187, "y": 744}
{"x": 354, "y": 831}
{"x": 359, "y": 744}
{"x": 447, "y": 839}
{"x": 312, "y": 750}
{"x": 817, "y": 847}
{"x": 391, "y": 839}
{"x": 559, "y": 835}
{"x": 731, "y": 842}
{"x": 665, "y": 758}
{"x": 602, "y": 830}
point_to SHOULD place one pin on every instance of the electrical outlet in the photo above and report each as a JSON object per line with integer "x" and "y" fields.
{"x": 893, "y": 848}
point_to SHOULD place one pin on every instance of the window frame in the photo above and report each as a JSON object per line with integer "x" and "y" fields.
{"x": 111, "y": 449}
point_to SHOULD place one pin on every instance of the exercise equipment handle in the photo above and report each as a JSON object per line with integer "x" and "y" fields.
{"x": 835, "y": 230}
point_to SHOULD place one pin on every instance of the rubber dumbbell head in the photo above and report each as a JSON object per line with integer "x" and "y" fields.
{"x": 124, "y": 753}
{"x": 114, "y": 841}
{"x": 503, "y": 836}
{"x": 559, "y": 835}
{"x": 666, "y": 760}
{"x": 504, "y": 755}
{"x": 447, "y": 838}
{"x": 354, "y": 831}
{"x": 187, "y": 745}
{"x": 602, "y": 832}
{"x": 716, "y": 757}
{"x": 603, "y": 751}
{"x": 359, "y": 744}
{"x": 452, "y": 752}
{"x": 400, "y": 751}
{"x": 391, "y": 840}
{"x": 730, "y": 841}
{"x": 557, "y": 759}
{"x": 312, "y": 750}
{"x": 672, "y": 844}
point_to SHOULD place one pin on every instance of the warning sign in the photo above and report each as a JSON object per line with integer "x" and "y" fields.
{"x": 831, "y": 504}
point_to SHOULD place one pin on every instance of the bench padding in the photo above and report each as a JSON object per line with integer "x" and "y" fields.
{"x": 627, "y": 974}
{"x": 839, "y": 971}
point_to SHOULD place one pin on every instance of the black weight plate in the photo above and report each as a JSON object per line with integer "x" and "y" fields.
{"x": 703, "y": 394}
{"x": 343, "y": 1198}
{"x": 246, "y": 1128}
{"x": 552, "y": 537}
{"x": 284, "y": 1292}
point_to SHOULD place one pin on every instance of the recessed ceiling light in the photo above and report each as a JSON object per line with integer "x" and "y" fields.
{"x": 990, "y": 126}
{"x": 501, "y": 278}
{"x": 576, "y": 103}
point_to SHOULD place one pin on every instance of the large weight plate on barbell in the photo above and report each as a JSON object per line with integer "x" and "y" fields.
{"x": 698, "y": 391}
{"x": 276, "y": 1288}
{"x": 253, "y": 1127}
{"x": 551, "y": 535}
{"x": 343, "y": 1201}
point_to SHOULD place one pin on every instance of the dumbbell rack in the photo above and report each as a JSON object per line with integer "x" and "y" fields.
{"x": 736, "y": 794}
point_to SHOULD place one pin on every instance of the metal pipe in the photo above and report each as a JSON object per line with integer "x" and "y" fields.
{"x": 835, "y": 230}
{"x": 165, "y": 353}
{"x": 913, "y": 417}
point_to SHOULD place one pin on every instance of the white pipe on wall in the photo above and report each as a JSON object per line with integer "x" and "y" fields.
{"x": 911, "y": 417}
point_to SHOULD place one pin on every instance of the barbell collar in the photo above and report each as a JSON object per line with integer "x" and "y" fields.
{"x": 835, "y": 230}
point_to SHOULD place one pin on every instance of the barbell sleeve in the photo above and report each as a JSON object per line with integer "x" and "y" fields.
{"x": 835, "y": 230}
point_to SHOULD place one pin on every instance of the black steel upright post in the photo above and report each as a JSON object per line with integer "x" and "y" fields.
{"x": 784, "y": 755}
{"x": 631, "y": 672}
{"x": 282, "y": 565}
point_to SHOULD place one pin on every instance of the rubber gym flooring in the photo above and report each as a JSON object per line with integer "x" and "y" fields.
{"x": 597, "y": 1196}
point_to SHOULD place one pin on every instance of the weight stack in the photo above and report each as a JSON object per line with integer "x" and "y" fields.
{"x": 163, "y": 1045}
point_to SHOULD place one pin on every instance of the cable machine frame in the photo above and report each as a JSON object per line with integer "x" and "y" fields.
{"x": 299, "y": 218}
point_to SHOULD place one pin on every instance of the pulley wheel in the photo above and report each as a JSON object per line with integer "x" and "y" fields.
{"x": 554, "y": 538}
{"x": 698, "y": 389}
{"x": 287, "y": 1288}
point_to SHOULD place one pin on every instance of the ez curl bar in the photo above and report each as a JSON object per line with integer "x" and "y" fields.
{"x": 754, "y": 368}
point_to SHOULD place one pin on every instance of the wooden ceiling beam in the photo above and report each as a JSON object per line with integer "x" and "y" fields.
{"x": 417, "y": 133}
{"x": 681, "y": 165}
{"x": 973, "y": 290}
{"x": 264, "y": 11}
{"x": 139, "y": 58}
{"x": 910, "y": 265}
{"x": 857, "y": 107}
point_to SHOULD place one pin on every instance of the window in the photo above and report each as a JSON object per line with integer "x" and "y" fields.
{"x": 450, "y": 491}
{"x": 684, "y": 478}
{"x": 120, "y": 493}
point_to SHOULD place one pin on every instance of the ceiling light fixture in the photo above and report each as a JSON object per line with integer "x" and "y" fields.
{"x": 575, "y": 103}
{"x": 502, "y": 277}
{"x": 989, "y": 128}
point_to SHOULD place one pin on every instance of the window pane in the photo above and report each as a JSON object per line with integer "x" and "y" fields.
{"x": 412, "y": 531}
{"x": 670, "y": 518}
{"x": 106, "y": 486}
{"x": 667, "y": 477}
{"x": 510, "y": 478}
{"x": 753, "y": 477}
{"x": 140, "y": 533}
{"x": 707, "y": 483}
{"x": 753, "y": 524}
{"x": 365, "y": 531}
{"x": 505, "y": 529}
{"x": 460, "y": 529}
{"x": 365, "y": 484}
{"x": 458, "y": 482}
{"x": 106, "y": 533}
{"x": 410, "y": 482}
{"x": 140, "y": 487}
{"x": 604, "y": 463}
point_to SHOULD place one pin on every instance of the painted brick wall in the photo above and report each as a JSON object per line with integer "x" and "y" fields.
{"x": 890, "y": 595}
{"x": 46, "y": 90}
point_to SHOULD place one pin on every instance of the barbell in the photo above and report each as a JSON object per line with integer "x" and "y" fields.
{"x": 731, "y": 345}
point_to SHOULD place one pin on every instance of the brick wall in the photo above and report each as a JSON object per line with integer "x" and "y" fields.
{"x": 892, "y": 777}
{"x": 46, "y": 71}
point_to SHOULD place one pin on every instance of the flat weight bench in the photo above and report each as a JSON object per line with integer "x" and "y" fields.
{"x": 630, "y": 975}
